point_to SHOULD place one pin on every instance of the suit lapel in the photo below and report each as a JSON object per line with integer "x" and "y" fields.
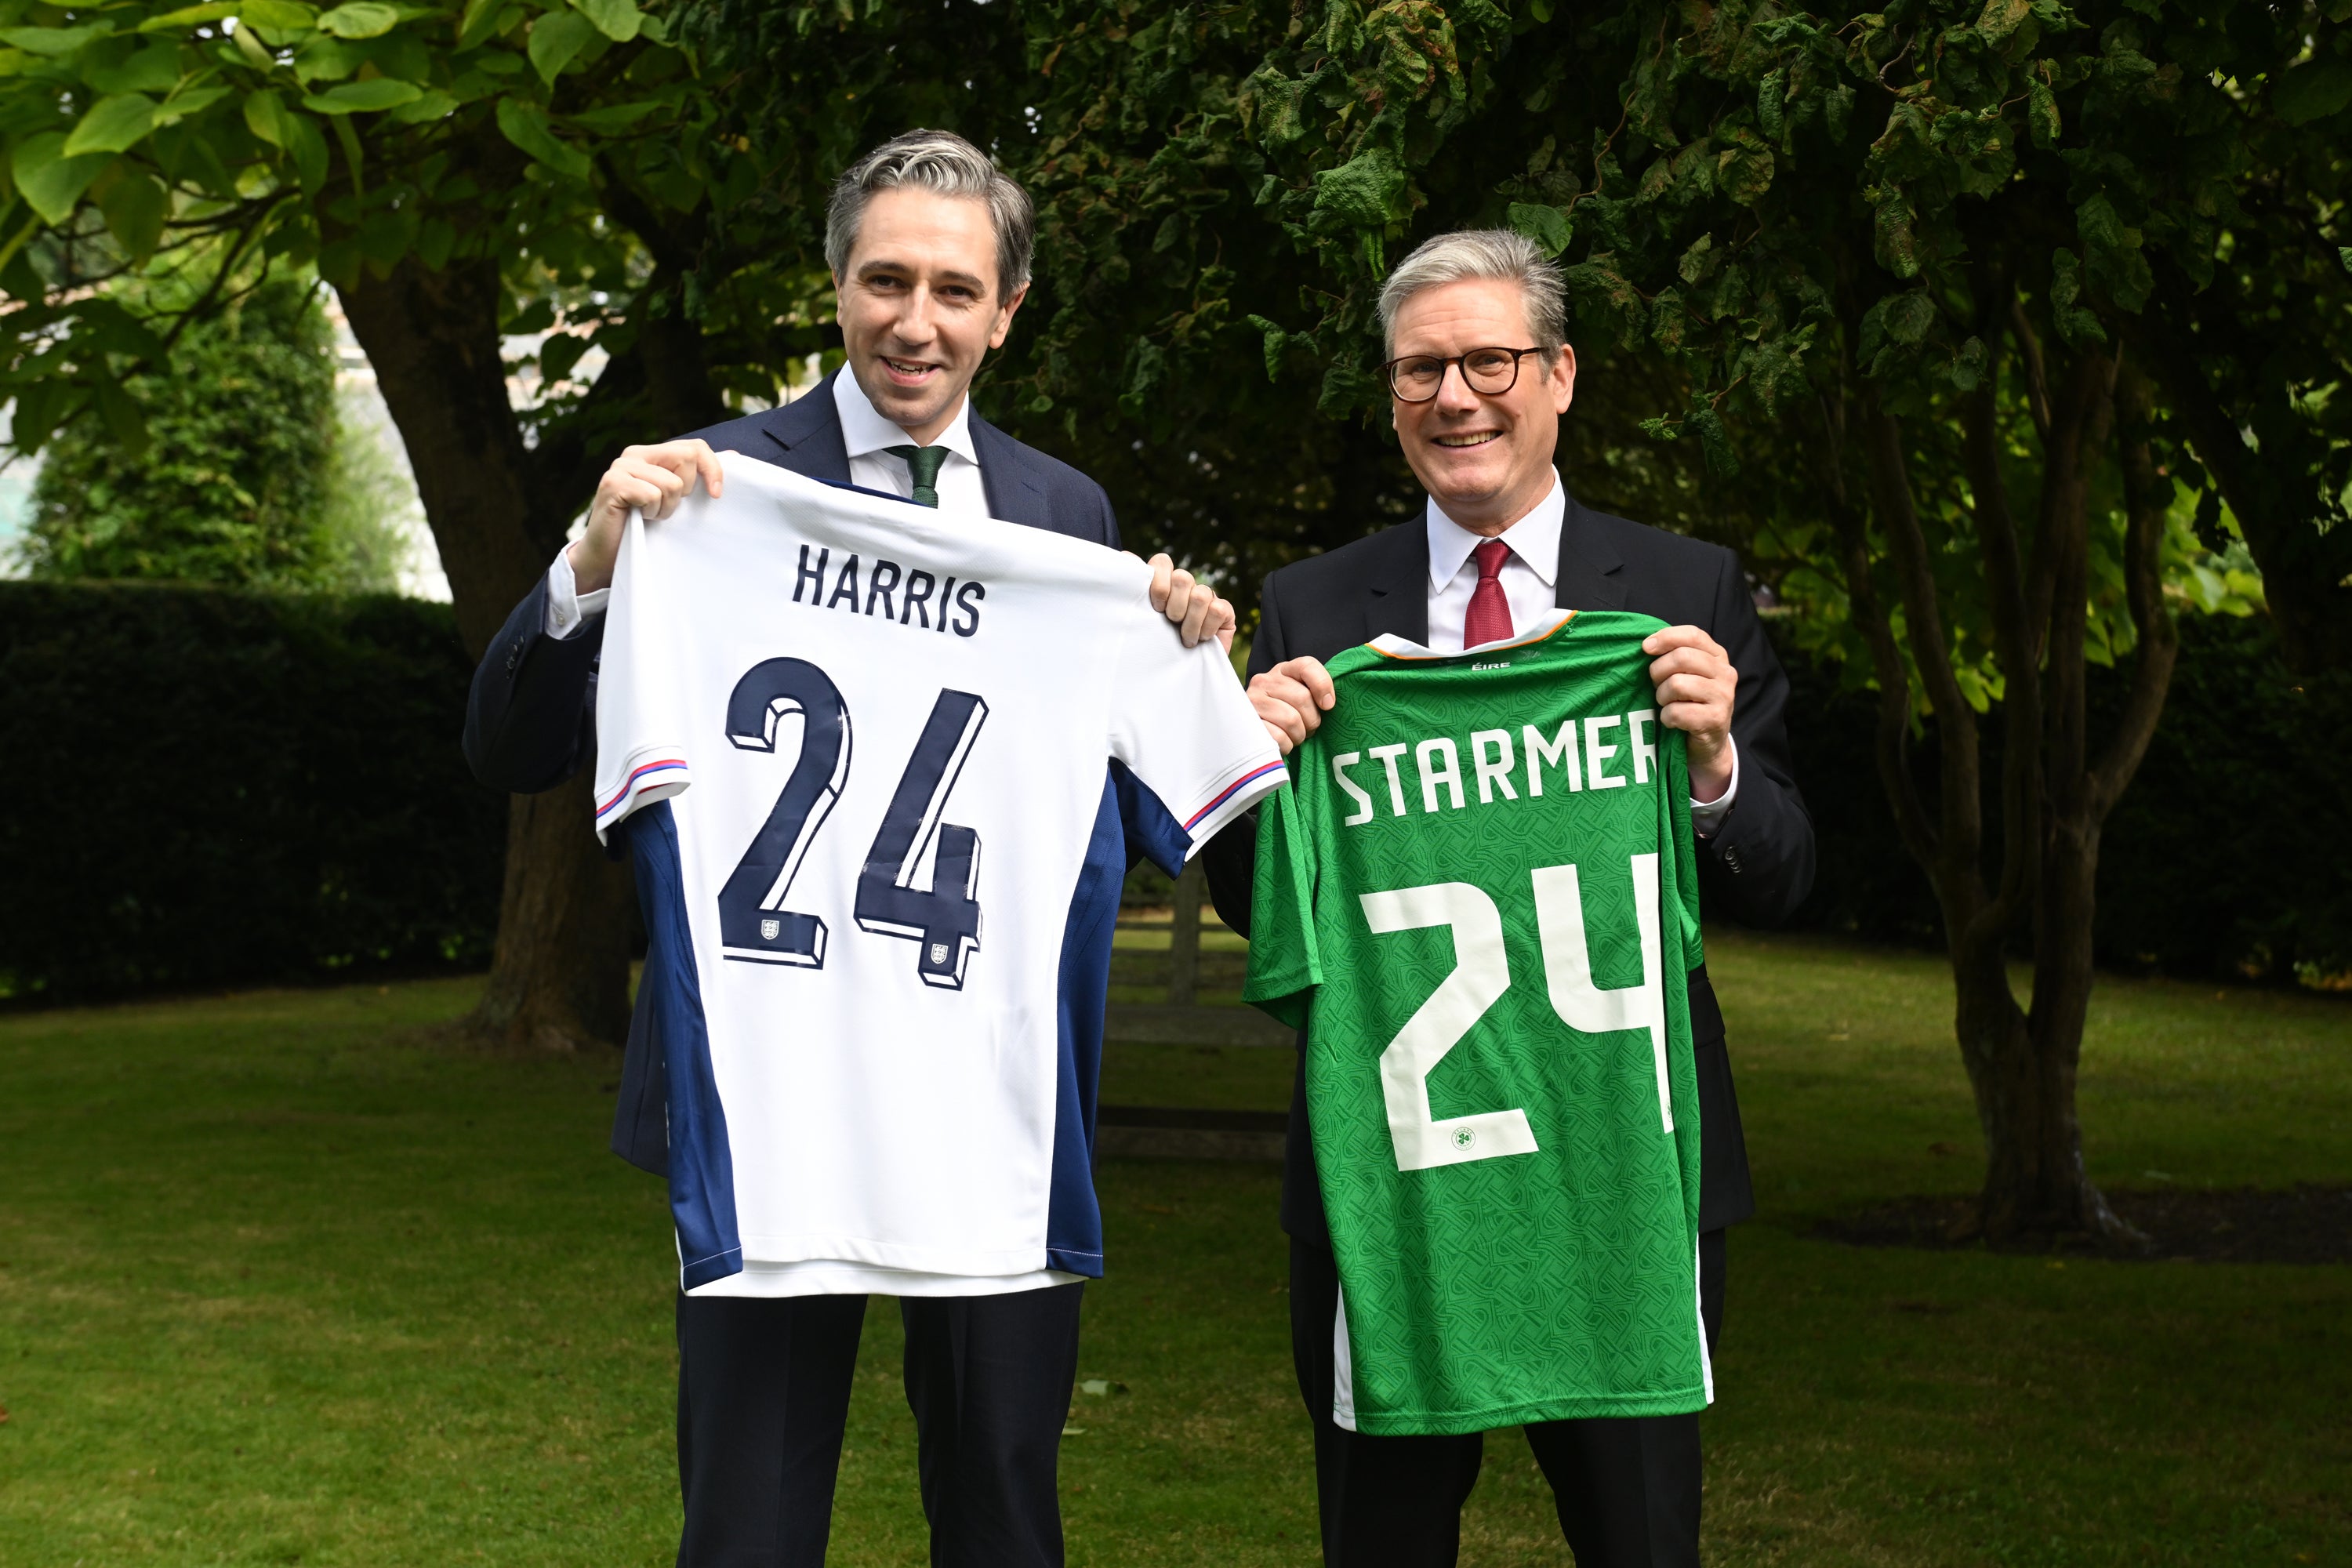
{"x": 1015, "y": 493}
{"x": 806, "y": 434}
{"x": 1587, "y": 578}
{"x": 1396, "y": 587}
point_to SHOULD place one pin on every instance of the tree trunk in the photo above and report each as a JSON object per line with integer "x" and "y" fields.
{"x": 559, "y": 974}
{"x": 2020, "y": 1065}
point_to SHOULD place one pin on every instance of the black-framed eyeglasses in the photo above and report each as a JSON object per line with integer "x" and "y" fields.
{"x": 1416, "y": 378}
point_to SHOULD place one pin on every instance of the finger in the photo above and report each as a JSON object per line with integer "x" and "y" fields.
{"x": 1196, "y": 615}
{"x": 1163, "y": 580}
{"x": 1310, "y": 673}
{"x": 714, "y": 478}
{"x": 665, "y": 490}
{"x": 1282, "y": 743}
{"x": 1679, "y": 637}
{"x": 1695, "y": 663}
{"x": 1281, "y": 716}
{"x": 1291, "y": 703}
{"x": 1691, "y": 689}
{"x": 1181, "y": 589}
{"x": 629, "y": 490}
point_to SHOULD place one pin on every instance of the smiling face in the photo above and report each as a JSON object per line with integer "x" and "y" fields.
{"x": 1486, "y": 461}
{"x": 920, "y": 306}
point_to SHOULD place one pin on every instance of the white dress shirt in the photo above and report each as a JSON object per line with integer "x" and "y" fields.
{"x": 866, "y": 433}
{"x": 1528, "y": 583}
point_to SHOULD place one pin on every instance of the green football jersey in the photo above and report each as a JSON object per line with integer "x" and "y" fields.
{"x": 1479, "y": 899}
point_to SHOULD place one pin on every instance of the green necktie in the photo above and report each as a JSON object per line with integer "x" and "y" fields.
{"x": 923, "y": 468}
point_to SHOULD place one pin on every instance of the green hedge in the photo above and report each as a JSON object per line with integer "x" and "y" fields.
{"x": 2224, "y": 859}
{"x": 212, "y": 787}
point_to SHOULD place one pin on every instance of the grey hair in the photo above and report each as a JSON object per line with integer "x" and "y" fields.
{"x": 944, "y": 163}
{"x": 1502, "y": 254}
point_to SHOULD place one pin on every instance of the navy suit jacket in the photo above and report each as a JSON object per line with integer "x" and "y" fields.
{"x": 530, "y": 720}
{"x": 1757, "y": 866}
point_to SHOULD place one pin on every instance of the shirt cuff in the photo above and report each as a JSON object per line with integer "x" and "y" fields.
{"x": 1708, "y": 817}
{"x": 568, "y": 609}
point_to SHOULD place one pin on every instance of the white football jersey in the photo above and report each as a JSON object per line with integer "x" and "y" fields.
{"x": 879, "y": 769}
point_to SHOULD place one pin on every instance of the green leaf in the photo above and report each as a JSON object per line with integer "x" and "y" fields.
{"x": 1276, "y": 343}
{"x": 1908, "y": 316}
{"x": 616, "y": 19}
{"x": 2075, "y": 324}
{"x": 190, "y": 17}
{"x": 525, "y": 125}
{"x": 1714, "y": 441}
{"x": 613, "y": 118}
{"x": 286, "y": 16}
{"x": 364, "y": 97}
{"x": 556, "y": 38}
{"x": 53, "y": 42}
{"x": 1365, "y": 192}
{"x": 308, "y": 146}
{"x": 124, "y": 420}
{"x": 2041, "y": 114}
{"x": 361, "y": 19}
{"x": 429, "y": 106}
{"x": 265, "y": 116}
{"x": 155, "y": 68}
{"x": 351, "y": 141}
{"x": 560, "y": 354}
{"x": 49, "y": 180}
{"x": 195, "y": 100}
{"x": 135, "y": 208}
{"x": 113, "y": 124}
{"x": 387, "y": 233}
{"x": 1547, "y": 226}
{"x": 2311, "y": 91}
{"x": 2000, "y": 18}
{"x": 2098, "y": 224}
{"x": 1969, "y": 366}
{"x": 479, "y": 21}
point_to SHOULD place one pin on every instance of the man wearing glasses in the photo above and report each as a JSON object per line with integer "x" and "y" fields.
{"x": 1480, "y": 375}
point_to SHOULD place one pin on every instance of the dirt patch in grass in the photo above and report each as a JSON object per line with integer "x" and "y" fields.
{"x": 2308, "y": 1223}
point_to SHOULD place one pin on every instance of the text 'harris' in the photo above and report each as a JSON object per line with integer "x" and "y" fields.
{"x": 908, "y": 596}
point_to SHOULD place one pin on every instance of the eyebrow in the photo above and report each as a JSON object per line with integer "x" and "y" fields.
{"x": 884, "y": 264}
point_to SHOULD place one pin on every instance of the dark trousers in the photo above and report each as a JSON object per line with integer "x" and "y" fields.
{"x": 763, "y": 1396}
{"x": 1627, "y": 1488}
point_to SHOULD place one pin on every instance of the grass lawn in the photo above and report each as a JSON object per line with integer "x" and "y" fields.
{"x": 282, "y": 1280}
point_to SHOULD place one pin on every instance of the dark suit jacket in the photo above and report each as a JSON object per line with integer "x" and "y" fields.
{"x": 531, "y": 721}
{"x": 1756, "y": 866}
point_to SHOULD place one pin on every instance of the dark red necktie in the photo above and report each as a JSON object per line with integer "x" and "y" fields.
{"x": 1490, "y": 613}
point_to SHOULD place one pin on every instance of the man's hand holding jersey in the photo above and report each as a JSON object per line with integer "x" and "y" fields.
{"x": 1693, "y": 677}
{"x": 655, "y": 479}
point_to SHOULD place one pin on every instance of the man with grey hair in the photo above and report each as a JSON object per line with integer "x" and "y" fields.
{"x": 1479, "y": 375}
{"x": 930, "y": 247}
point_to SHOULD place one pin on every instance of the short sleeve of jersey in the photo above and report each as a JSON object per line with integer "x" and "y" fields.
{"x": 1285, "y": 961}
{"x": 640, "y": 755}
{"x": 1184, "y": 729}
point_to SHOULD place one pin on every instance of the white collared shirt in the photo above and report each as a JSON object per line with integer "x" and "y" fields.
{"x": 868, "y": 434}
{"x": 1529, "y": 577}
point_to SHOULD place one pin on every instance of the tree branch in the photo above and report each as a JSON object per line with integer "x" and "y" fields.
{"x": 1869, "y": 612}
{"x": 2147, "y": 496}
{"x": 2013, "y": 646}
